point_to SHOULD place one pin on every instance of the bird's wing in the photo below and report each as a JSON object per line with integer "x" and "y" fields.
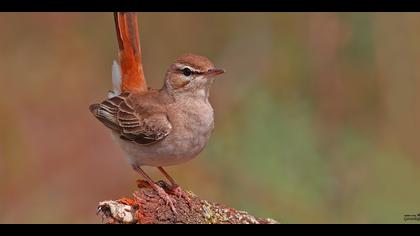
{"x": 142, "y": 124}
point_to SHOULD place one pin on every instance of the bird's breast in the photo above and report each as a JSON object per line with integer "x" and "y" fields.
{"x": 192, "y": 124}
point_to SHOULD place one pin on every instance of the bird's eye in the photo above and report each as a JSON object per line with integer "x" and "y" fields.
{"x": 186, "y": 72}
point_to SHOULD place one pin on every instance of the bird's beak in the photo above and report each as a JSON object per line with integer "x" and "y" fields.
{"x": 214, "y": 72}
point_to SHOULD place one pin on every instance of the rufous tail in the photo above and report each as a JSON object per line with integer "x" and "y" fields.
{"x": 129, "y": 52}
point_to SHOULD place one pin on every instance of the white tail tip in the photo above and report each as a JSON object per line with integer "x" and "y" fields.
{"x": 116, "y": 79}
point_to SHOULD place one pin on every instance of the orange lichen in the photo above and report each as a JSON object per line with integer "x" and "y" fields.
{"x": 127, "y": 201}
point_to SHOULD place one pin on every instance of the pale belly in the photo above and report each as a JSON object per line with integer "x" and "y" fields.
{"x": 184, "y": 143}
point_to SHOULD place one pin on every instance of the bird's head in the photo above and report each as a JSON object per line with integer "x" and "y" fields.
{"x": 191, "y": 74}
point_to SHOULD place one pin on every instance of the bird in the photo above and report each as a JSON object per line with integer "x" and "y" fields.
{"x": 157, "y": 127}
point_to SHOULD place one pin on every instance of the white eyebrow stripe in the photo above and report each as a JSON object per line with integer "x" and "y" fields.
{"x": 182, "y": 66}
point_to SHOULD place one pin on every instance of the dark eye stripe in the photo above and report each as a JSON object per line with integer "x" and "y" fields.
{"x": 188, "y": 71}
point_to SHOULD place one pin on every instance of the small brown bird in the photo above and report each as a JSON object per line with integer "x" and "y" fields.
{"x": 161, "y": 127}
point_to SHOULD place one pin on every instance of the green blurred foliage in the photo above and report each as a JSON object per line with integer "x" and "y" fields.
{"x": 316, "y": 119}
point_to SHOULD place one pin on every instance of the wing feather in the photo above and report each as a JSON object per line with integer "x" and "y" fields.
{"x": 142, "y": 124}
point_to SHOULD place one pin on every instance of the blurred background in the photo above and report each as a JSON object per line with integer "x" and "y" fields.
{"x": 317, "y": 119}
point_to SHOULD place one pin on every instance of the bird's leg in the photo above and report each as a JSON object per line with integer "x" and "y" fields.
{"x": 175, "y": 187}
{"x": 161, "y": 192}
{"x": 168, "y": 177}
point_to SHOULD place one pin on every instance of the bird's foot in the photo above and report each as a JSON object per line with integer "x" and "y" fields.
{"x": 176, "y": 189}
{"x": 165, "y": 196}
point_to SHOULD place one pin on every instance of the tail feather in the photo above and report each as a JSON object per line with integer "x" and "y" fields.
{"x": 129, "y": 52}
{"x": 116, "y": 80}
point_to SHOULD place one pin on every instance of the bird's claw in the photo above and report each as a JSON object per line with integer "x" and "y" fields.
{"x": 176, "y": 189}
{"x": 168, "y": 200}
